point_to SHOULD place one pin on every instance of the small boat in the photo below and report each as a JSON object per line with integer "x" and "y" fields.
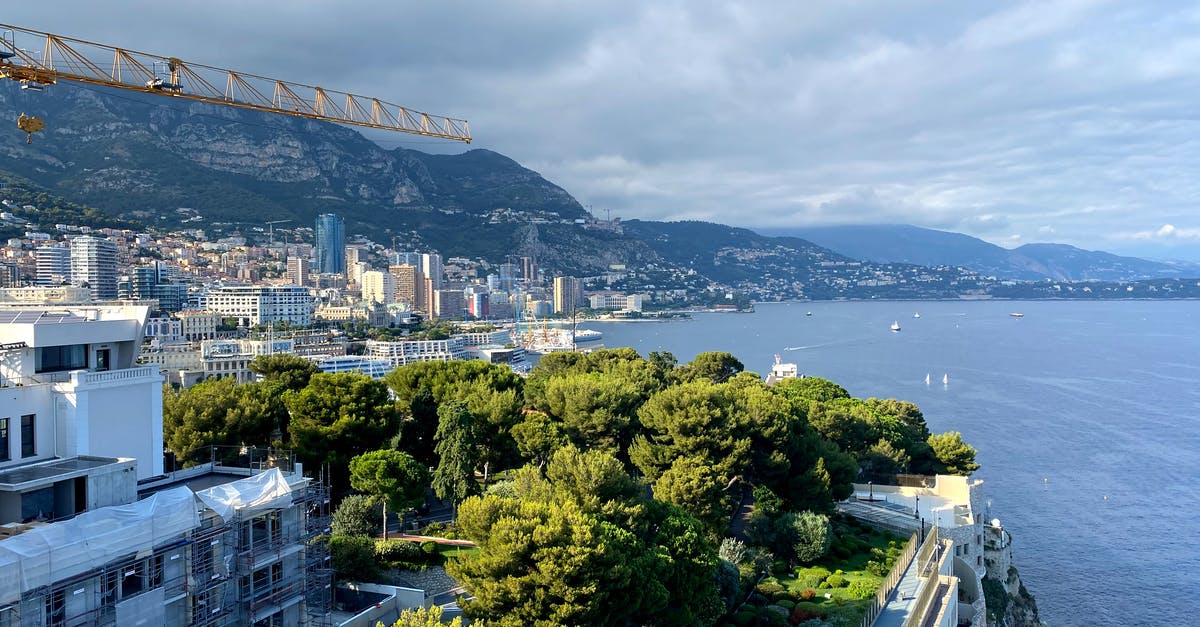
{"x": 917, "y": 315}
{"x": 896, "y": 326}
{"x": 946, "y": 379}
{"x": 926, "y": 378}
{"x": 808, "y": 313}
{"x": 1017, "y": 314}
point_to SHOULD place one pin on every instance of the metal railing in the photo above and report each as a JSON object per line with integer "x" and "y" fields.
{"x": 890, "y": 582}
{"x": 929, "y": 561}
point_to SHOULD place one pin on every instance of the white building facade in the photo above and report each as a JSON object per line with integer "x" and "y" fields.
{"x": 263, "y": 304}
{"x": 70, "y": 387}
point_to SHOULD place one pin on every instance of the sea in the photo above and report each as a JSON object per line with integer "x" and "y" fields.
{"x": 1086, "y": 416}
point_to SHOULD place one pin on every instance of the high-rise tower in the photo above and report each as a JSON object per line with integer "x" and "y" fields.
{"x": 94, "y": 264}
{"x": 53, "y": 265}
{"x": 330, "y": 244}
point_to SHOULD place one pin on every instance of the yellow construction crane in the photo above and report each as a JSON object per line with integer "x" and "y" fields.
{"x": 67, "y": 59}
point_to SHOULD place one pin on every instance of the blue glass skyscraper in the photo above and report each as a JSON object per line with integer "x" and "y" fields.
{"x": 330, "y": 244}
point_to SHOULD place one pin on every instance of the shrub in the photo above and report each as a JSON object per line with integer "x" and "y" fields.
{"x": 733, "y": 551}
{"x": 728, "y": 584}
{"x": 357, "y": 515}
{"x": 353, "y": 557}
{"x": 811, "y": 577}
{"x": 398, "y": 551}
{"x": 800, "y": 614}
{"x": 808, "y": 594}
{"x": 863, "y": 589}
{"x": 769, "y": 588}
{"x": 824, "y": 585}
{"x": 429, "y": 547}
{"x": 786, "y": 604}
{"x": 745, "y": 618}
{"x": 836, "y": 581}
{"x": 811, "y": 536}
{"x": 782, "y": 595}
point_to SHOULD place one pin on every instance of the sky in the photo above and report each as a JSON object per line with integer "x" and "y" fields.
{"x": 1070, "y": 121}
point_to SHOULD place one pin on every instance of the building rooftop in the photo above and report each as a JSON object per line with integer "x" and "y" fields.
{"x": 37, "y": 316}
{"x": 20, "y": 478}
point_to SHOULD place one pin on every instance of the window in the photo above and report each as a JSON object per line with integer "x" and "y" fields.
{"x": 28, "y": 449}
{"x": 60, "y": 358}
{"x": 4, "y": 454}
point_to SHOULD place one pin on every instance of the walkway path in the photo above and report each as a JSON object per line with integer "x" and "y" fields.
{"x": 902, "y": 599}
{"x": 412, "y": 538}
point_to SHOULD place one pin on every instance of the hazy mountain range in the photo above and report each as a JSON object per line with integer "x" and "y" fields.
{"x": 142, "y": 158}
{"x": 902, "y": 243}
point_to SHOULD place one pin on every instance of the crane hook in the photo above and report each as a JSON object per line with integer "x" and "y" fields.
{"x": 30, "y": 125}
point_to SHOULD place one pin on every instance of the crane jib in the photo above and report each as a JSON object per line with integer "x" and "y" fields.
{"x": 67, "y": 59}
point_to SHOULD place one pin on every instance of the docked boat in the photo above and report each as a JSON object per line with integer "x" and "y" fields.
{"x": 896, "y": 326}
{"x": 587, "y": 335}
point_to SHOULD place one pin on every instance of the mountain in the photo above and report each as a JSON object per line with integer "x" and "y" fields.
{"x": 145, "y": 157}
{"x": 903, "y": 243}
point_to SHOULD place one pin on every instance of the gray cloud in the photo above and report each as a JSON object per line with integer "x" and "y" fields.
{"x": 1063, "y": 120}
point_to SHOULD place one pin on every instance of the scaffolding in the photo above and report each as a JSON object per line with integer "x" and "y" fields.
{"x": 249, "y": 559}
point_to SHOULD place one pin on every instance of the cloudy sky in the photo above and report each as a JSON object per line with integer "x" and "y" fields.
{"x": 1074, "y": 121}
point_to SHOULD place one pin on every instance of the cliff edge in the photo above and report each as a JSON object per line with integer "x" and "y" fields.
{"x": 1009, "y": 603}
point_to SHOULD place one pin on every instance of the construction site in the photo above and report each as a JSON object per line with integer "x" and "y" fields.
{"x": 240, "y": 552}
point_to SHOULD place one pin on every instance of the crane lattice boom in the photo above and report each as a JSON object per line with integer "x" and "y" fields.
{"x": 64, "y": 58}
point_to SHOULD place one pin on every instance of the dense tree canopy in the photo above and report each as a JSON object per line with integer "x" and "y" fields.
{"x": 492, "y": 394}
{"x": 219, "y": 412}
{"x": 284, "y": 371}
{"x": 585, "y": 547}
{"x": 632, "y": 469}
{"x": 338, "y": 416}
{"x": 715, "y": 366}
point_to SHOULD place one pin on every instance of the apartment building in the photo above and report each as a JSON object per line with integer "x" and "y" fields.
{"x": 262, "y": 304}
{"x": 217, "y": 544}
{"x": 70, "y": 389}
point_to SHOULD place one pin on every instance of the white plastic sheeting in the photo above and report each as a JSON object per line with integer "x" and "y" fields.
{"x": 50, "y": 553}
{"x": 247, "y": 497}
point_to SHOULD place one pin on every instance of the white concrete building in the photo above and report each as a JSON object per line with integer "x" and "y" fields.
{"x": 260, "y": 304}
{"x": 409, "y": 352}
{"x": 374, "y": 368}
{"x": 231, "y": 358}
{"x": 94, "y": 266}
{"x": 53, "y": 264}
{"x": 69, "y": 389}
{"x": 42, "y": 296}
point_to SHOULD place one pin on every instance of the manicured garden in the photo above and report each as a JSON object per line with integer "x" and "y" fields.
{"x": 837, "y": 590}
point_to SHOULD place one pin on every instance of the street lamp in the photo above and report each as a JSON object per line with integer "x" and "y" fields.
{"x": 870, "y": 492}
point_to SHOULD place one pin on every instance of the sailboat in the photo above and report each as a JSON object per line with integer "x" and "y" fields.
{"x": 926, "y": 378}
{"x": 896, "y": 326}
{"x": 946, "y": 379}
{"x": 917, "y": 314}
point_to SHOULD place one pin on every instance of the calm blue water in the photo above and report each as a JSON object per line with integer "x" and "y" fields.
{"x": 1071, "y": 404}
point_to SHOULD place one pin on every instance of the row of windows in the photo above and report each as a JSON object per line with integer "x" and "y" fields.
{"x": 28, "y": 433}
